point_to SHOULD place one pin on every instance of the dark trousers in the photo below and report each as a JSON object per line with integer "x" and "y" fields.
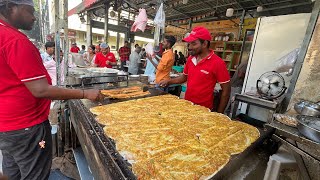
{"x": 122, "y": 65}
{"x": 22, "y": 156}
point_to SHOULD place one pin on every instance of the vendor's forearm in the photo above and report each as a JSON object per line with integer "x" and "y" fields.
{"x": 41, "y": 89}
{"x": 179, "y": 80}
{"x": 55, "y": 93}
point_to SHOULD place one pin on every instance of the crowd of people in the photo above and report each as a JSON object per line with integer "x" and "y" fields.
{"x": 206, "y": 67}
{"x": 127, "y": 58}
{"x": 101, "y": 56}
{"x": 157, "y": 66}
{"x": 180, "y": 59}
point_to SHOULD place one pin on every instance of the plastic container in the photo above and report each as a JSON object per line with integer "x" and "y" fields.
{"x": 178, "y": 68}
{"x": 183, "y": 88}
{"x": 144, "y": 78}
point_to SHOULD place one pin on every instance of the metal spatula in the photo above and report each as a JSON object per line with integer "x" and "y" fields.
{"x": 145, "y": 88}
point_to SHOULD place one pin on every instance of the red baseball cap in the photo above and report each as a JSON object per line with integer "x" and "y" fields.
{"x": 198, "y": 33}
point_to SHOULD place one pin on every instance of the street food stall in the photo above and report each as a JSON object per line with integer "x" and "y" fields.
{"x": 114, "y": 151}
{"x": 137, "y": 130}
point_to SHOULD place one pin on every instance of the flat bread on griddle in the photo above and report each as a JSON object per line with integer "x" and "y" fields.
{"x": 168, "y": 138}
{"x": 125, "y": 93}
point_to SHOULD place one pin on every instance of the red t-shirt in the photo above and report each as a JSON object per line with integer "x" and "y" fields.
{"x": 20, "y": 62}
{"x": 202, "y": 78}
{"x": 75, "y": 49}
{"x": 101, "y": 60}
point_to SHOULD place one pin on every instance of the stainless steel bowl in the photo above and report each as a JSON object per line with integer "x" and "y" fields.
{"x": 306, "y": 127}
{"x": 310, "y": 111}
{"x": 298, "y": 107}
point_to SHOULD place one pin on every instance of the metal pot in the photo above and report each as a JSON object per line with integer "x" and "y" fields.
{"x": 105, "y": 71}
{"x": 78, "y": 80}
{"x": 309, "y": 110}
{"x": 144, "y": 78}
{"x": 134, "y": 77}
{"x": 92, "y": 75}
{"x": 307, "y": 128}
{"x": 92, "y": 78}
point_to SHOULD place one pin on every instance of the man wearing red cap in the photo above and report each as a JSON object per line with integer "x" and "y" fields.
{"x": 202, "y": 71}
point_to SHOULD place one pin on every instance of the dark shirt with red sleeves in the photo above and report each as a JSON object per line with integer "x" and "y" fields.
{"x": 101, "y": 60}
{"x": 20, "y": 62}
{"x": 124, "y": 50}
{"x": 202, "y": 78}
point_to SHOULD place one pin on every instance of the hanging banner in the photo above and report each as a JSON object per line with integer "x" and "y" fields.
{"x": 82, "y": 6}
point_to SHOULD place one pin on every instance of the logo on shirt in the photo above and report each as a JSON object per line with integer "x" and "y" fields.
{"x": 204, "y": 71}
{"x": 109, "y": 57}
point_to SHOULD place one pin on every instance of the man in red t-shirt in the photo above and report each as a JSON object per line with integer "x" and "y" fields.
{"x": 202, "y": 71}
{"x": 124, "y": 53}
{"x": 105, "y": 58}
{"x": 74, "y": 48}
{"x": 25, "y": 97}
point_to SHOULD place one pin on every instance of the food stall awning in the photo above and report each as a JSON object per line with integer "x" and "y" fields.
{"x": 82, "y": 6}
{"x": 178, "y": 12}
{"x": 203, "y": 11}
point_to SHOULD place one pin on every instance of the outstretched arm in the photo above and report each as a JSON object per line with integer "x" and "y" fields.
{"x": 41, "y": 89}
{"x": 179, "y": 80}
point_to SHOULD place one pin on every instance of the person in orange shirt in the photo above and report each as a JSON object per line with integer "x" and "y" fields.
{"x": 164, "y": 67}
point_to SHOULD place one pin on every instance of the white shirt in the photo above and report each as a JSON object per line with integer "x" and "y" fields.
{"x": 51, "y": 67}
{"x": 134, "y": 63}
{"x": 52, "y": 70}
{"x": 46, "y": 57}
{"x": 82, "y": 51}
{"x": 87, "y": 60}
{"x": 151, "y": 70}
